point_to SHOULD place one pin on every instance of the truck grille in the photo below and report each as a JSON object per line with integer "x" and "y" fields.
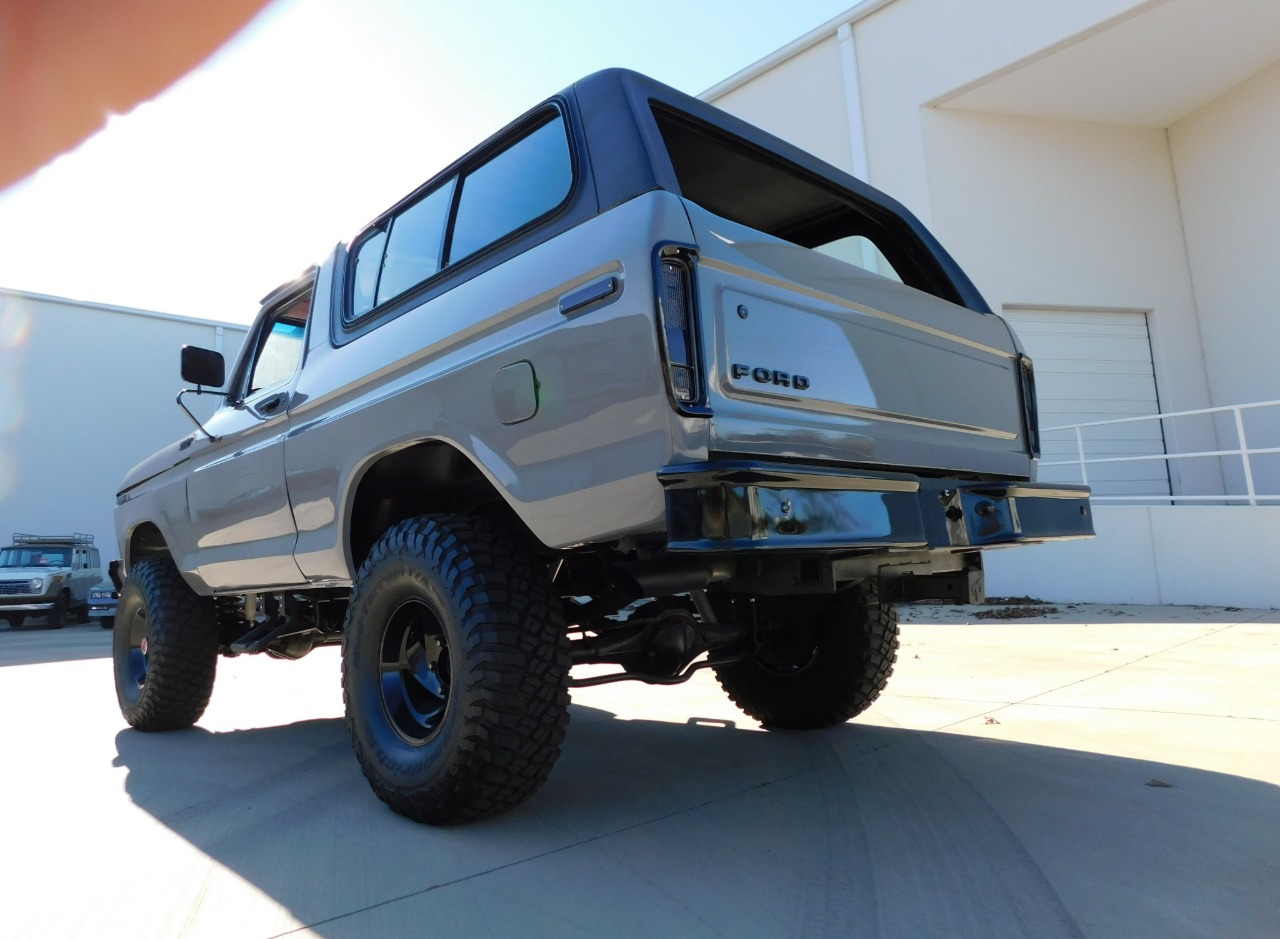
{"x": 14, "y": 588}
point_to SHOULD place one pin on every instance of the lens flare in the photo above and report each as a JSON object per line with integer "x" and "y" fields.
{"x": 15, "y": 322}
{"x": 8, "y": 474}
{"x": 12, "y": 405}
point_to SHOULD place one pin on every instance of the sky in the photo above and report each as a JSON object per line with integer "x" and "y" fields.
{"x": 320, "y": 114}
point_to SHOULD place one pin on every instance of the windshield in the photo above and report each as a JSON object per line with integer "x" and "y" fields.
{"x": 35, "y": 556}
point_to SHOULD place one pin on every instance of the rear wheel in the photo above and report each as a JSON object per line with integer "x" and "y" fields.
{"x": 455, "y": 665}
{"x": 817, "y": 662}
{"x": 16, "y": 620}
{"x": 165, "y": 648}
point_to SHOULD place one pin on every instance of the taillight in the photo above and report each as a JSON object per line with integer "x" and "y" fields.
{"x": 679, "y": 330}
{"x": 1030, "y": 413}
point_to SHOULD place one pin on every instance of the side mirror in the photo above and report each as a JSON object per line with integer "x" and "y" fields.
{"x": 203, "y": 367}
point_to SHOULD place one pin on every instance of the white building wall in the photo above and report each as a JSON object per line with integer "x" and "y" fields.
{"x": 1046, "y": 213}
{"x": 803, "y": 103}
{"x": 1225, "y": 158}
{"x": 1184, "y": 555}
{"x": 913, "y": 52}
{"x": 87, "y": 392}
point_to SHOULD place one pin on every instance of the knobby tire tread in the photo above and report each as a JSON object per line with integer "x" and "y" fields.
{"x": 513, "y": 674}
{"x": 182, "y": 657}
{"x": 853, "y": 664}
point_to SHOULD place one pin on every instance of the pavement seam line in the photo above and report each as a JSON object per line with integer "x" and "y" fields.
{"x": 1001, "y": 705}
{"x": 1105, "y": 671}
{"x": 1095, "y": 707}
{"x": 545, "y": 854}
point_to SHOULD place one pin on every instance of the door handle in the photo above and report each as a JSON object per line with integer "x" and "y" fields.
{"x": 272, "y": 404}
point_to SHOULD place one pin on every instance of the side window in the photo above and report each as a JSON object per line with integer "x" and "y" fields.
{"x": 280, "y": 349}
{"x": 528, "y": 179}
{"x": 463, "y": 215}
{"x": 415, "y": 244}
{"x": 367, "y": 265}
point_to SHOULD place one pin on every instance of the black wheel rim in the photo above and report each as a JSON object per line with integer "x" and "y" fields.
{"x": 137, "y": 661}
{"x": 415, "y": 672}
{"x": 787, "y": 652}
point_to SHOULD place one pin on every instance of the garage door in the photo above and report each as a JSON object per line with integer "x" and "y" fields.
{"x": 1095, "y": 365}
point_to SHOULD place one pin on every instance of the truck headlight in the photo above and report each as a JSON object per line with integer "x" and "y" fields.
{"x": 37, "y": 585}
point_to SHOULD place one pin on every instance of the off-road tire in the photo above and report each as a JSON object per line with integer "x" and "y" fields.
{"x": 818, "y": 661}
{"x": 165, "y": 648}
{"x": 455, "y": 663}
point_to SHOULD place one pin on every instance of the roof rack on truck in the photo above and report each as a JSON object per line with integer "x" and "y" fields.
{"x": 76, "y": 538}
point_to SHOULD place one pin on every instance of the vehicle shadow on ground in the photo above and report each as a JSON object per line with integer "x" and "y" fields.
{"x": 33, "y": 643}
{"x": 707, "y": 828}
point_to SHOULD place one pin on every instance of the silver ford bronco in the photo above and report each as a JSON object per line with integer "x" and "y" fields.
{"x": 633, "y": 386}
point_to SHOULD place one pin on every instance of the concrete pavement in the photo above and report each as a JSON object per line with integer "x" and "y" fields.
{"x": 1097, "y": 771}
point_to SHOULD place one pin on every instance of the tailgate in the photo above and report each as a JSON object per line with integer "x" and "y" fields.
{"x": 811, "y": 358}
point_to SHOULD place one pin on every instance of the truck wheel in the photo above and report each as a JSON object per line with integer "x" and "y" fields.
{"x": 165, "y": 648}
{"x": 455, "y": 662}
{"x": 57, "y": 613}
{"x": 818, "y": 661}
{"x": 16, "y": 620}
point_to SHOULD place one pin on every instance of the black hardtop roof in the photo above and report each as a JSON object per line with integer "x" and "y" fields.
{"x": 630, "y": 156}
{"x": 627, "y": 155}
{"x": 617, "y": 103}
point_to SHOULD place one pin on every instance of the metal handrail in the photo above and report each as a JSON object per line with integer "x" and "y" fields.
{"x": 1244, "y": 452}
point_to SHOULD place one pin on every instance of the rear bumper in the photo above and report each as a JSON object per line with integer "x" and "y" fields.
{"x": 754, "y": 506}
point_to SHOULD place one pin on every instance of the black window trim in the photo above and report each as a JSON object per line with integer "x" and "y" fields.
{"x": 348, "y": 327}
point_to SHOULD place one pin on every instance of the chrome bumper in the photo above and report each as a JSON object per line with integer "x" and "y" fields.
{"x": 24, "y": 606}
{"x": 752, "y": 506}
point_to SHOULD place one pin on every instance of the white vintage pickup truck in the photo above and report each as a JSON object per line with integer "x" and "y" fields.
{"x": 632, "y": 384}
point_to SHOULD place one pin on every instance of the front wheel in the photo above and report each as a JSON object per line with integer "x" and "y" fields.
{"x": 817, "y": 661}
{"x": 57, "y": 613}
{"x": 455, "y": 664}
{"x": 165, "y": 648}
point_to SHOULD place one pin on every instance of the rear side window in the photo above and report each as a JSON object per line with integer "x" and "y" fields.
{"x": 415, "y": 246}
{"x": 526, "y": 181}
{"x": 367, "y": 266}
